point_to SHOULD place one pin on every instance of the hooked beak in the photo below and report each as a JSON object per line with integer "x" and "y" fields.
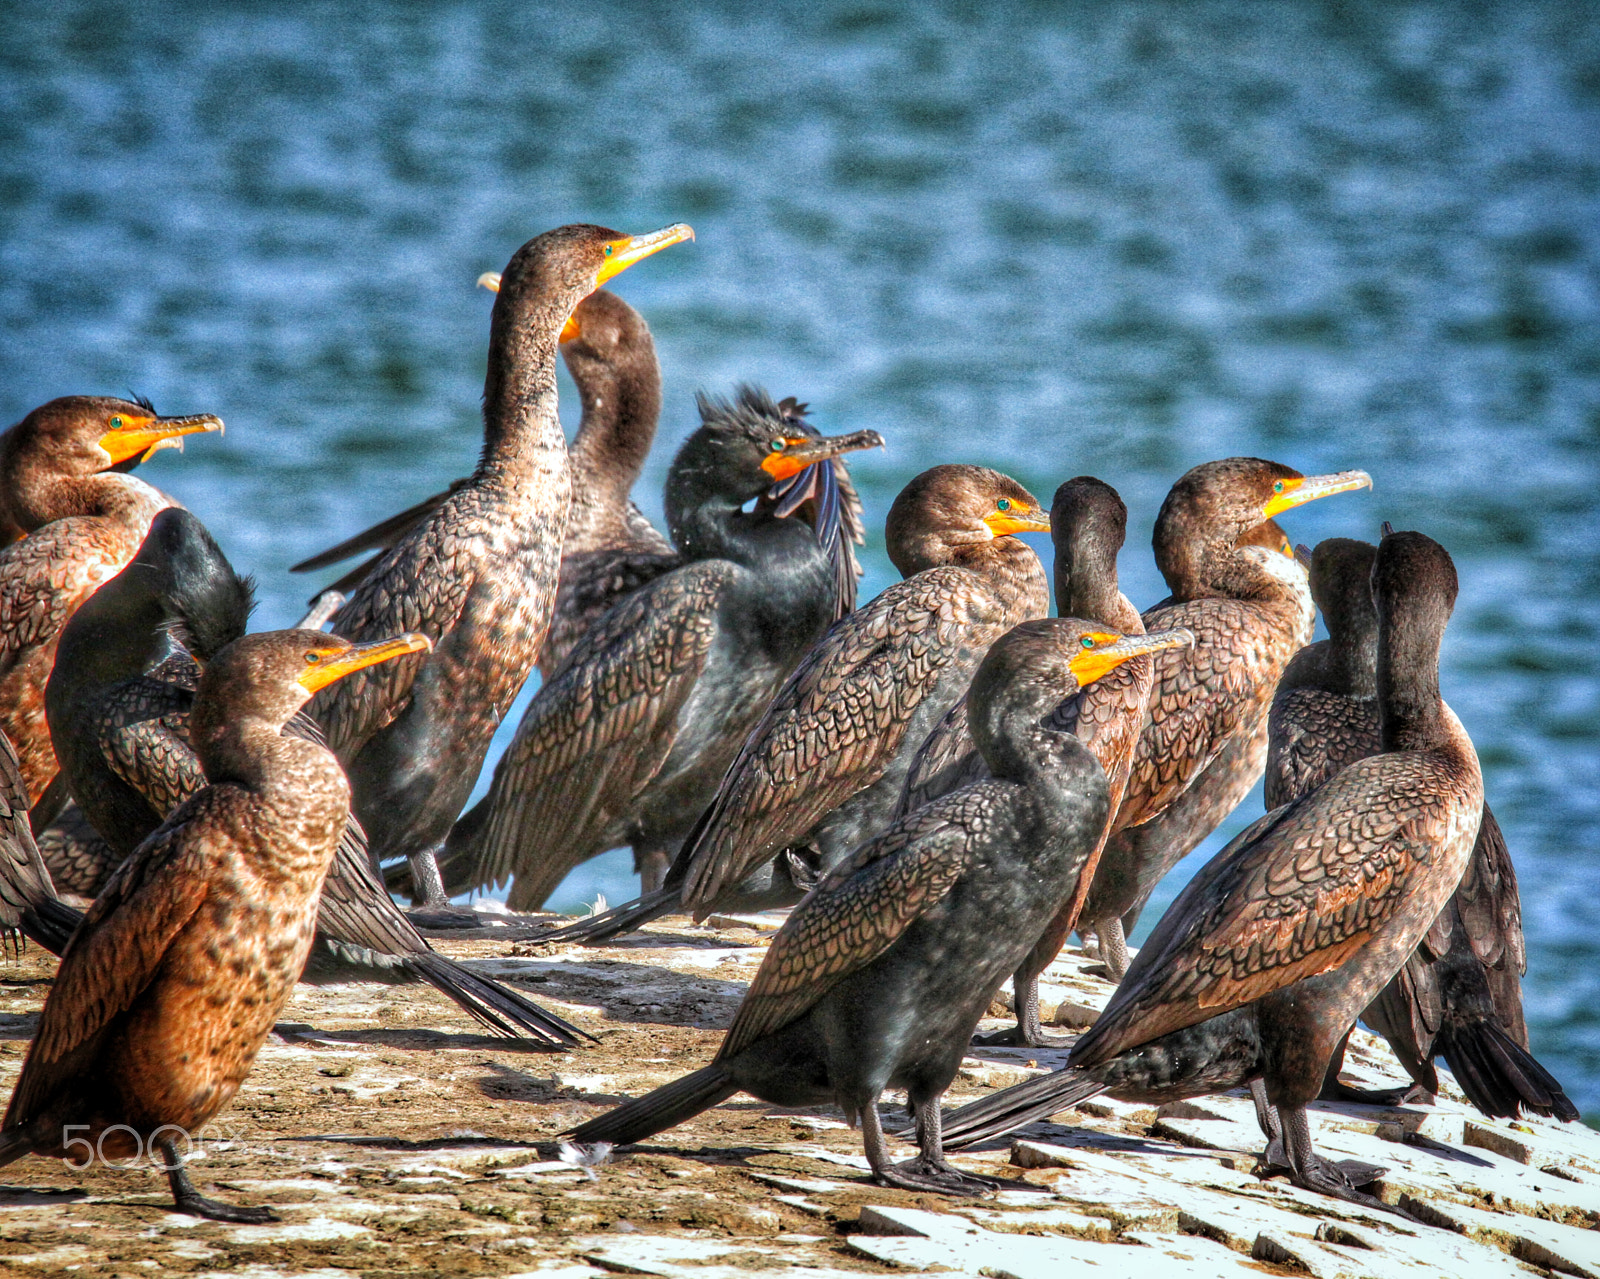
{"x": 1111, "y": 651}
{"x": 1302, "y": 556}
{"x": 1308, "y": 488}
{"x": 1014, "y": 520}
{"x": 142, "y": 439}
{"x": 799, "y": 452}
{"x": 623, "y": 253}
{"x": 338, "y": 665}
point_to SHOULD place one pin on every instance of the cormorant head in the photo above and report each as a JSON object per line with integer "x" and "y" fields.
{"x": 948, "y": 511}
{"x": 271, "y": 675}
{"x": 1341, "y": 585}
{"x": 748, "y": 446}
{"x": 1213, "y": 506}
{"x": 84, "y": 434}
{"x": 563, "y": 266}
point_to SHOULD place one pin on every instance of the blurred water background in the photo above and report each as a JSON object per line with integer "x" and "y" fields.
{"x": 1119, "y": 241}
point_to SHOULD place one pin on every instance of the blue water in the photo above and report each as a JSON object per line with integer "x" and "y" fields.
{"x": 1120, "y": 241}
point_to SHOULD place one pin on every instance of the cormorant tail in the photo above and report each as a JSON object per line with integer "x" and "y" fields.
{"x": 1012, "y": 1108}
{"x": 1498, "y": 1075}
{"x": 498, "y": 1007}
{"x": 595, "y": 930}
{"x": 666, "y": 1107}
{"x": 50, "y": 922}
{"x": 14, "y": 1143}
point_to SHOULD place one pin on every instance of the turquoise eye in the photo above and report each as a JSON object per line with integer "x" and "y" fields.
{"x": 608, "y": 250}
{"x": 1278, "y": 487}
{"x": 777, "y": 446}
{"x": 1088, "y": 641}
{"x": 1004, "y": 504}
{"x": 116, "y": 424}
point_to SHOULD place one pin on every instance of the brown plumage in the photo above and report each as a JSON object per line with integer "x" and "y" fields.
{"x": 1314, "y": 907}
{"x": 83, "y": 523}
{"x": 627, "y": 740}
{"x": 478, "y": 577}
{"x": 1459, "y": 995}
{"x": 1088, "y": 523}
{"x": 1248, "y": 610}
{"x": 182, "y": 965}
{"x": 29, "y": 906}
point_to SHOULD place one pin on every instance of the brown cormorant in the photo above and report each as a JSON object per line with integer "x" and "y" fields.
{"x": 1249, "y": 611}
{"x": 120, "y": 702}
{"x": 29, "y": 906}
{"x": 878, "y": 977}
{"x": 627, "y": 741}
{"x": 180, "y": 968}
{"x": 1259, "y": 968}
{"x": 824, "y": 767}
{"x": 83, "y": 523}
{"x": 478, "y": 577}
{"x": 1459, "y": 995}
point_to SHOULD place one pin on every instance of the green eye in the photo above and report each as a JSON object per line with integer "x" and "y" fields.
{"x": 1278, "y": 487}
{"x": 608, "y": 250}
{"x": 1004, "y": 504}
{"x": 313, "y": 658}
{"x": 116, "y": 424}
{"x": 1088, "y": 641}
{"x": 776, "y": 446}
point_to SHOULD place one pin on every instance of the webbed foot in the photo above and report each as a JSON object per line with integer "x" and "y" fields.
{"x": 936, "y": 1176}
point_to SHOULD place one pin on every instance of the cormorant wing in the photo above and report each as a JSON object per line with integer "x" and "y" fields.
{"x": 407, "y": 590}
{"x": 24, "y": 880}
{"x": 947, "y": 760}
{"x": 598, "y": 731}
{"x": 1294, "y": 895}
{"x": 43, "y": 579}
{"x": 154, "y": 757}
{"x": 852, "y": 917}
{"x": 1200, "y": 697}
{"x": 1316, "y": 733}
{"x": 381, "y": 536}
{"x": 1491, "y": 913}
{"x": 116, "y": 951}
{"x": 834, "y": 725}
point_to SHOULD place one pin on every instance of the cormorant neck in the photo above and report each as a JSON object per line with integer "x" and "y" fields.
{"x": 42, "y": 500}
{"x": 108, "y": 640}
{"x": 1200, "y": 565}
{"x": 1350, "y": 662}
{"x": 521, "y": 427}
{"x": 621, "y": 404}
{"x": 246, "y": 749}
{"x": 1011, "y": 565}
{"x": 1010, "y": 733}
{"x": 1410, "y": 709}
{"x": 1086, "y": 588}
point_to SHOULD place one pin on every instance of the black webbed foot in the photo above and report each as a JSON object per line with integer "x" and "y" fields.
{"x": 186, "y": 1199}
{"x": 1016, "y": 1037}
{"x": 1329, "y": 1178}
{"x": 935, "y": 1176}
{"x": 1415, "y": 1095}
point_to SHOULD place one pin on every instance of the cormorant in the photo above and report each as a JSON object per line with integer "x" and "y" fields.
{"x": 878, "y": 977}
{"x": 1249, "y": 610}
{"x": 478, "y": 577}
{"x": 180, "y": 968}
{"x": 120, "y": 702}
{"x": 82, "y": 522}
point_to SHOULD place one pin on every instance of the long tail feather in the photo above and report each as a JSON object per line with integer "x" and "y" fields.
{"x": 601, "y": 928}
{"x": 1021, "y": 1104}
{"x": 657, "y": 1111}
{"x": 1498, "y": 1075}
{"x": 497, "y": 1006}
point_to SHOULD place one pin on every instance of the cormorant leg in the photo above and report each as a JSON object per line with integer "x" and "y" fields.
{"x": 1114, "y": 949}
{"x": 651, "y": 865}
{"x": 434, "y": 901}
{"x": 1312, "y": 1171}
{"x": 1335, "y": 1089}
{"x": 1027, "y": 1033}
{"x": 1276, "y": 1157}
{"x": 922, "y": 1173}
{"x": 187, "y": 1199}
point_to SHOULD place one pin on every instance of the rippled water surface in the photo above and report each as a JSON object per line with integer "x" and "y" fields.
{"x": 1121, "y": 242}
